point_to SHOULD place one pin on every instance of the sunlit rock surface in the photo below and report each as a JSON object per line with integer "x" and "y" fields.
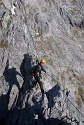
{"x": 35, "y": 29}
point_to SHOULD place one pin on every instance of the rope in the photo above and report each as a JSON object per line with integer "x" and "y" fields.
{"x": 68, "y": 98}
{"x": 36, "y": 54}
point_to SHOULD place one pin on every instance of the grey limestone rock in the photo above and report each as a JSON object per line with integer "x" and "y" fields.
{"x": 35, "y": 29}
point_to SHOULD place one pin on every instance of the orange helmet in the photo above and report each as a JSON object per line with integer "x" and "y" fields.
{"x": 43, "y": 61}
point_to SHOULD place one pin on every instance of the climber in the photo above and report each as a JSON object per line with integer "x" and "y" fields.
{"x": 37, "y": 73}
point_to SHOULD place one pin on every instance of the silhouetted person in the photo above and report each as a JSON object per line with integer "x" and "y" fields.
{"x": 10, "y": 76}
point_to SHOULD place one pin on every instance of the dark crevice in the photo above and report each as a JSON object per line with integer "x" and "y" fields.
{"x": 70, "y": 21}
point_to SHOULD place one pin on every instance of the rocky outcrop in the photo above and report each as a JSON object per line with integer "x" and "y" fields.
{"x": 31, "y": 30}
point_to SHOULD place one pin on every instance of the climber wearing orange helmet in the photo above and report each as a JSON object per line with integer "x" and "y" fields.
{"x": 37, "y": 73}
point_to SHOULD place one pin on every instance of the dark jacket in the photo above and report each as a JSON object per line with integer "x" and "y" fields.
{"x": 38, "y": 69}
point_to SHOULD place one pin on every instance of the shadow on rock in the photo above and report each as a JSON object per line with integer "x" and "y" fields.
{"x": 25, "y": 70}
{"x": 24, "y": 113}
{"x": 10, "y": 75}
{"x": 25, "y": 67}
{"x": 4, "y": 100}
{"x": 54, "y": 92}
{"x": 29, "y": 116}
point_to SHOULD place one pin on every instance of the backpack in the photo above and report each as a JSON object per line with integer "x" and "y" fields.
{"x": 34, "y": 65}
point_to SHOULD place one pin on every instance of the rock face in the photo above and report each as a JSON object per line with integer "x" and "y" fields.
{"x": 35, "y": 29}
